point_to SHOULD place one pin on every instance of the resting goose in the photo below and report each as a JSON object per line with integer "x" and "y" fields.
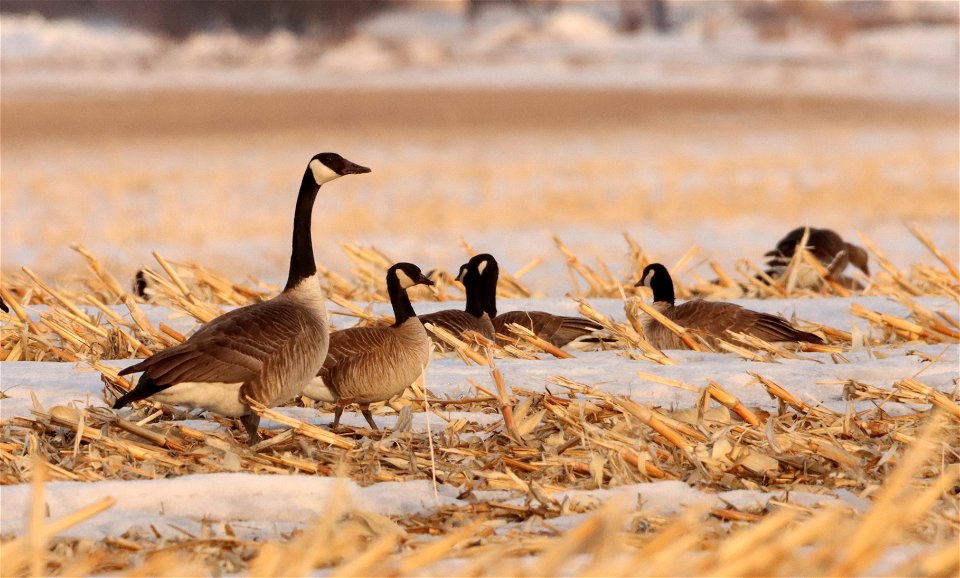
{"x": 267, "y": 351}
{"x": 473, "y": 318}
{"x": 709, "y": 319}
{"x": 559, "y": 330}
{"x": 827, "y": 246}
{"x": 365, "y": 365}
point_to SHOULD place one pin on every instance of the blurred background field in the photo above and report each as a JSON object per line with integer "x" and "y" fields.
{"x": 184, "y": 127}
{"x": 721, "y": 125}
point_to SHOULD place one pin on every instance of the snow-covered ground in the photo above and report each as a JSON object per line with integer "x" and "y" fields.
{"x": 260, "y": 506}
{"x": 192, "y": 199}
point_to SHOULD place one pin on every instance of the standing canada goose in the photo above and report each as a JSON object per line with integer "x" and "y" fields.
{"x": 559, "y": 330}
{"x": 473, "y": 318}
{"x": 268, "y": 351}
{"x": 369, "y": 364}
{"x": 826, "y": 245}
{"x": 709, "y": 319}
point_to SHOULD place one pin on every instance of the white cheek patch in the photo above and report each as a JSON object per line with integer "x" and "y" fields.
{"x": 646, "y": 279}
{"x": 482, "y": 266}
{"x": 405, "y": 280}
{"x": 321, "y": 172}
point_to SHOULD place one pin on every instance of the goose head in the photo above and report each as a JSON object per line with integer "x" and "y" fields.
{"x": 858, "y": 256}
{"x": 485, "y": 265}
{"x": 657, "y": 278}
{"x": 483, "y": 271}
{"x": 328, "y": 166}
{"x": 407, "y": 275}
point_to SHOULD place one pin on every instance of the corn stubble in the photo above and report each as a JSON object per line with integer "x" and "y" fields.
{"x": 573, "y": 437}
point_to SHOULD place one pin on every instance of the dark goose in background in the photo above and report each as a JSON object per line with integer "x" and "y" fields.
{"x": 827, "y": 246}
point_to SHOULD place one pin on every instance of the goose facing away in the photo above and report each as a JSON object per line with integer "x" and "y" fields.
{"x": 709, "y": 319}
{"x": 472, "y": 318}
{"x": 559, "y": 330}
{"x": 826, "y": 245}
{"x": 365, "y": 365}
{"x": 268, "y": 351}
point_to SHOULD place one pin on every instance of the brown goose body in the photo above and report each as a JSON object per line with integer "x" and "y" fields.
{"x": 559, "y": 330}
{"x": 365, "y": 365}
{"x": 710, "y": 319}
{"x": 458, "y": 322}
{"x": 267, "y": 351}
{"x": 828, "y": 247}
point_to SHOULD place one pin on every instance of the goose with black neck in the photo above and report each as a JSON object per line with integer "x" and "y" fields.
{"x": 710, "y": 320}
{"x": 559, "y": 330}
{"x": 266, "y": 351}
{"x": 472, "y": 318}
{"x": 366, "y": 365}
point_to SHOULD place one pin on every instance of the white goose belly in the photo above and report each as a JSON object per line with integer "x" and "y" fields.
{"x": 220, "y": 398}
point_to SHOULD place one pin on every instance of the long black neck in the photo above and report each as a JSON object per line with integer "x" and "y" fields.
{"x": 489, "y": 279}
{"x": 475, "y": 298}
{"x": 662, "y": 286}
{"x": 402, "y": 309}
{"x": 302, "y": 264}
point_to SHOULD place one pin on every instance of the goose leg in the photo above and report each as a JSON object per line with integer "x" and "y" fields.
{"x": 336, "y": 415}
{"x": 250, "y": 422}
{"x": 365, "y": 410}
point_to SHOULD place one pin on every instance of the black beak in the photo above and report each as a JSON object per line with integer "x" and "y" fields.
{"x": 638, "y": 283}
{"x": 353, "y": 168}
{"x": 461, "y": 275}
{"x": 424, "y": 280}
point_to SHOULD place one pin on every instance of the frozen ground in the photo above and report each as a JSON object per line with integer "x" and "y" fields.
{"x": 271, "y": 506}
{"x": 730, "y": 182}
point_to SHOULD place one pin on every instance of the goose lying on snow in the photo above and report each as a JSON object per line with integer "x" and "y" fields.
{"x": 559, "y": 330}
{"x": 267, "y": 351}
{"x": 365, "y": 365}
{"x": 709, "y": 319}
{"x": 473, "y": 318}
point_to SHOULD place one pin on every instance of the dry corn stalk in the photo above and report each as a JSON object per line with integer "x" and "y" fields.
{"x": 532, "y": 338}
{"x": 731, "y": 402}
{"x": 462, "y": 349}
{"x": 676, "y": 329}
{"x": 308, "y": 430}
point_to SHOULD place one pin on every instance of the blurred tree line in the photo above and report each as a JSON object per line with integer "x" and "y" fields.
{"x": 337, "y": 18}
{"x": 181, "y": 18}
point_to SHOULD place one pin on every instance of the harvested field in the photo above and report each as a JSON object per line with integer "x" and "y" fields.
{"x": 605, "y": 458}
{"x": 524, "y": 465}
